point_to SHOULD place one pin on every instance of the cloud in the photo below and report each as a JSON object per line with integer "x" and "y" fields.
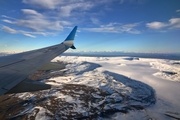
{"x": 53, "y": 15}
{"x": 7, "y": 21}
{"x": 37, "y": 33}
{"x": 47, "y": 4}
{"x": 8, "y": 29}
{"x": 29, "y": 35}
{"x": 13, "y": 31}
{"x": 116, "y": 28}
{"x": 130, "y": 28}
{"x": 68, "y": 8}
{"x": 133, "y": 1}
{"x": 38, "y": 22}
{"x": 4, "y": 16}
{"x": 64, "y": 8}
{"x": 175, "y": 22}
{"x": 121, "y": 1}
{"x": 178, "y": 10}
{"x": 70, "y": 4}
{"x": 95, "y": 21}
{"x": 103, "y": 29}
{"x": 156, "y": 25}
{"x": 74, "y": 9}
{"x": 32, "y": 12}
{"x": 171, "y": 24}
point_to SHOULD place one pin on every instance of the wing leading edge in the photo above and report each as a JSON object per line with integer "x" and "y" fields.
{"x": 15, "y": 69}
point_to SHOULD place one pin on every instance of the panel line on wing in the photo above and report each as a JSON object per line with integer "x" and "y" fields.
{"x": 12, "y": 63}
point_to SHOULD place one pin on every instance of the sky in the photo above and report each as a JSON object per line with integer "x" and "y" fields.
{"x": 105, "y": 25}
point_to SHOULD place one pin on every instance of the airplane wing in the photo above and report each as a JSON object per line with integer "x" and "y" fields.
{"x": 14, "y": 69}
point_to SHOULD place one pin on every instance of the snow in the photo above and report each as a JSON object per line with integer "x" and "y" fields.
{"x": 42, "y": 114}
{"x": 130, "y": 88}
{"x": 162, "y": 75}
{"x": 169, "y": 70}
{"x": 25, "y": 96}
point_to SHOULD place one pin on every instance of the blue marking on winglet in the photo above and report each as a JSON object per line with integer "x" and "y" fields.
{"x": 72, "y": 34}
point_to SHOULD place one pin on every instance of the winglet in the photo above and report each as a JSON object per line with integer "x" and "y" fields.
{"x": 69, "y": 41}
{"x": 73, "y": 47}
{"x": 72, "y": 34}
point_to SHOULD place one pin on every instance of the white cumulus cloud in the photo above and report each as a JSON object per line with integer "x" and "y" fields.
{"x": 156, "y": 25}
{"x": 175, "y": 22}
{"x": 172, "y": 23}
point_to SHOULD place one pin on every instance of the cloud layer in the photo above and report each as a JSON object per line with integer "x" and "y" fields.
{"x": 46, "y": 17}
{"x": 116, "y": 28}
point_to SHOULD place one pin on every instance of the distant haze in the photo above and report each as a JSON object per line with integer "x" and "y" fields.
{"x": 171, "y": 56}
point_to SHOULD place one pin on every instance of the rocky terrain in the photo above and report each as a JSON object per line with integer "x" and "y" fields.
{"x": 81, "y": 91}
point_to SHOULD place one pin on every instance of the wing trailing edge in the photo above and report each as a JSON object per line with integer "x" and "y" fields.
{"x": 29, "y": 86}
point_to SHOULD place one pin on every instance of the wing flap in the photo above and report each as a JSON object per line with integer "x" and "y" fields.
{"x": 12, "y": 83}
{"x": 29, "y": 86}
{"x": 2, "y": 91}
{"x": 4, "y": 73}
{"x": 52, "y": 66}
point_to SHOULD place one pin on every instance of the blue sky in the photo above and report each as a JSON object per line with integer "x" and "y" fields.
{"x": 106, "y": 25}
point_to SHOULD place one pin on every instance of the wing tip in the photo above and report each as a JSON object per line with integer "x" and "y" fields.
{"x": 69, "y": 41}
{"x": 73, "y": 47}
{"x": 72, "y": 34}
